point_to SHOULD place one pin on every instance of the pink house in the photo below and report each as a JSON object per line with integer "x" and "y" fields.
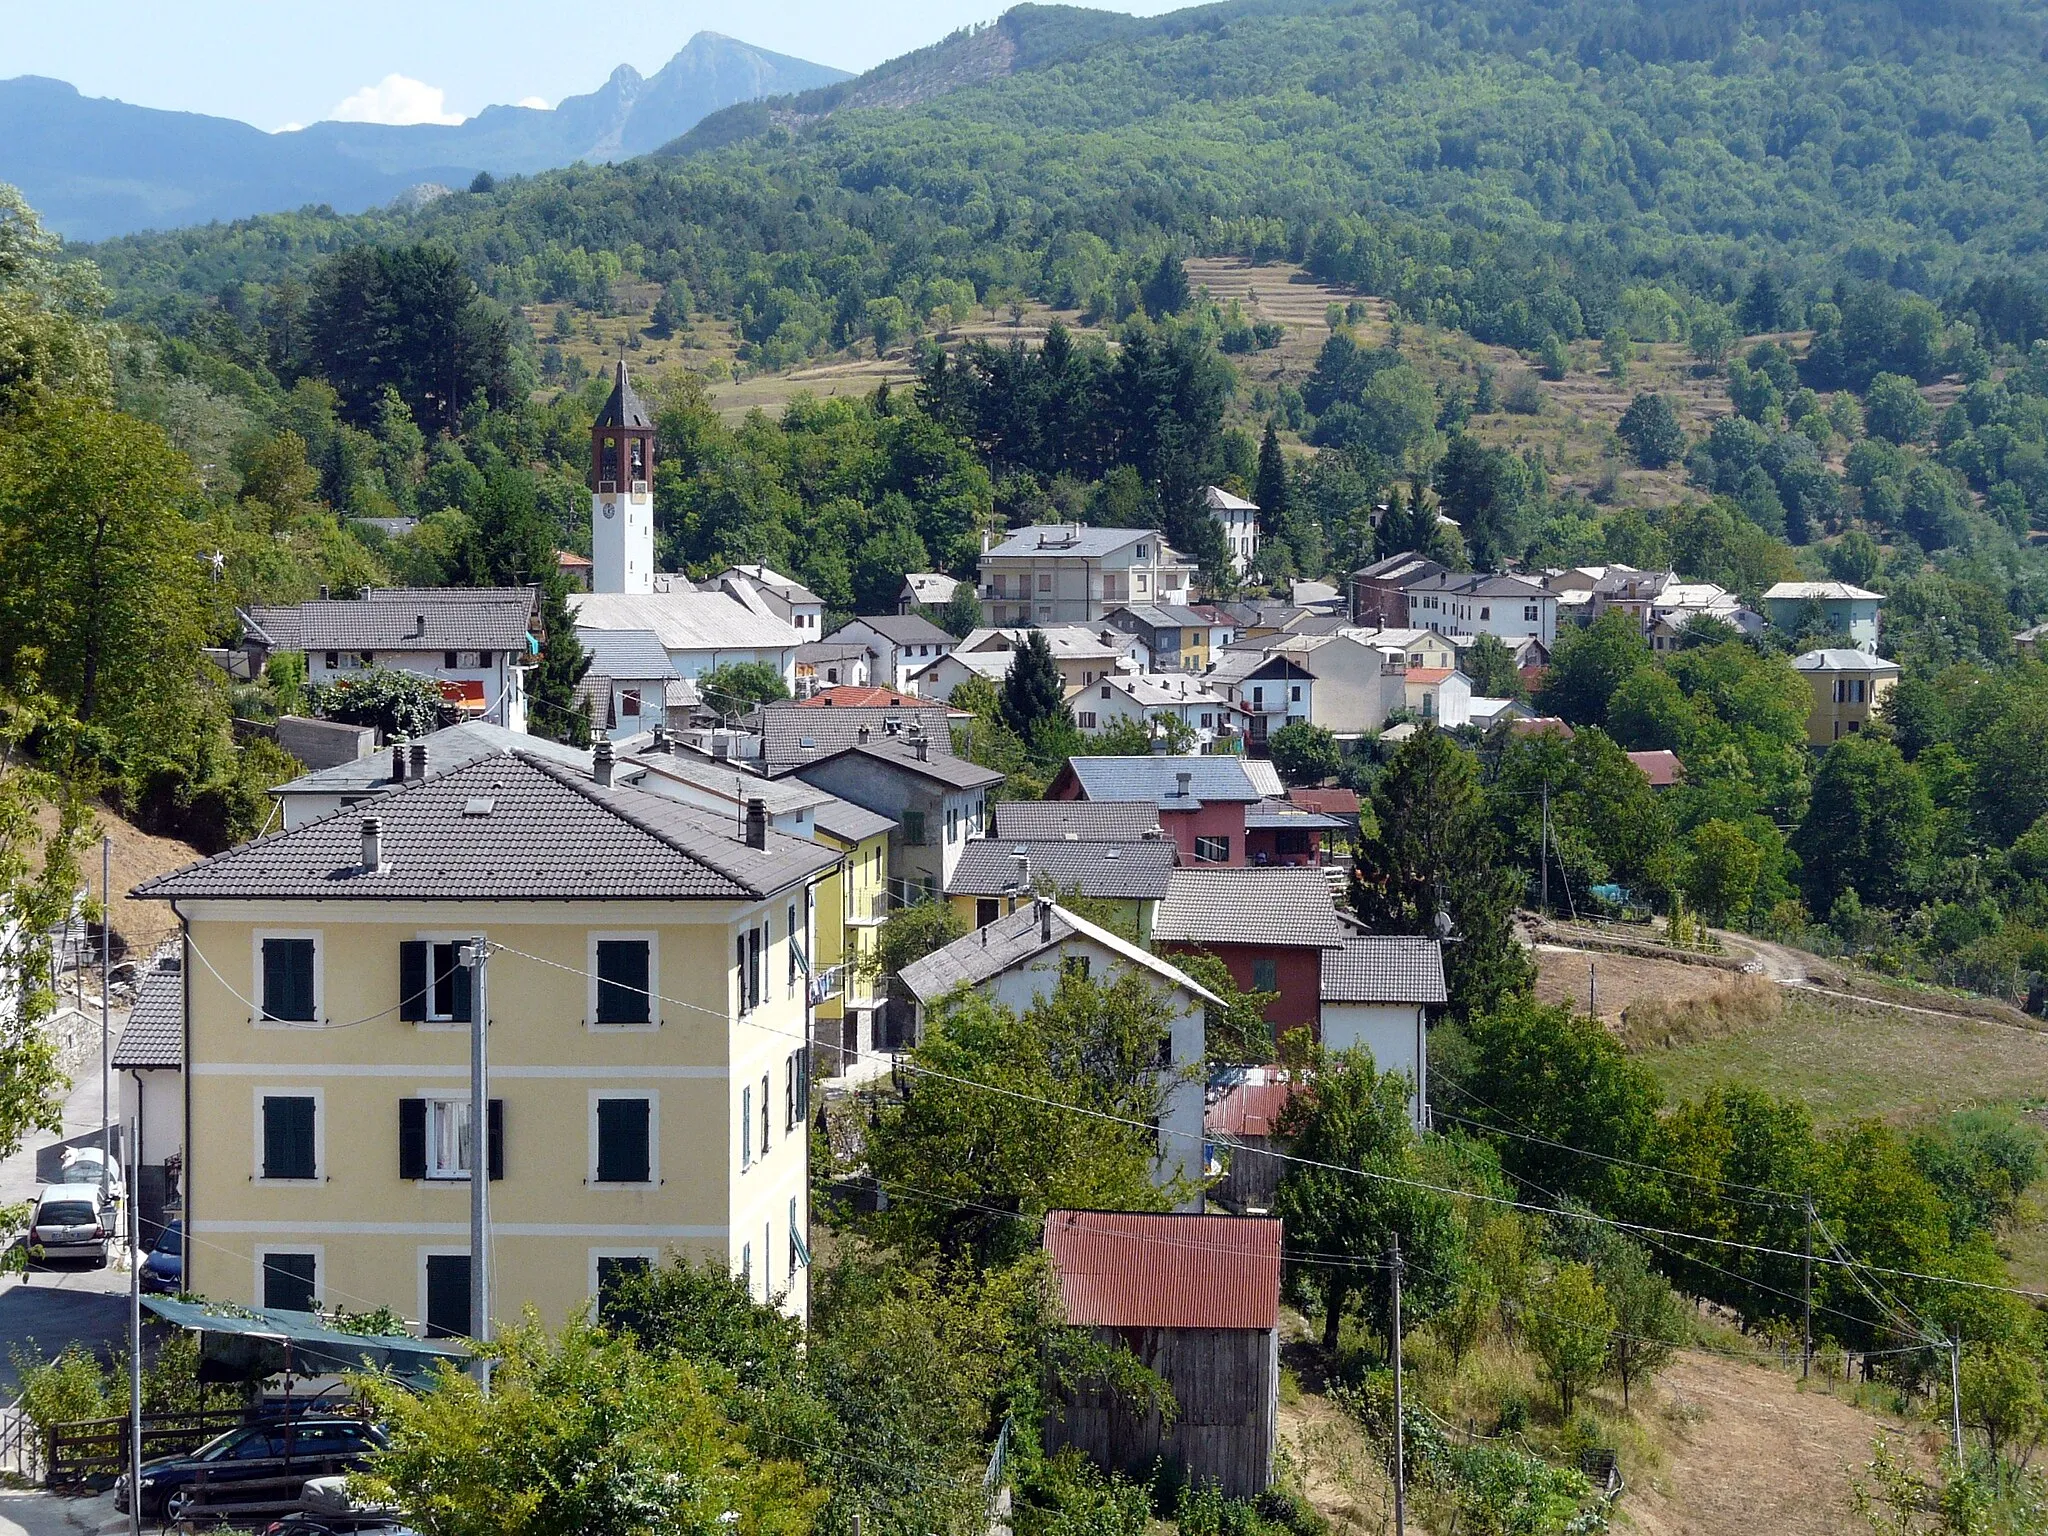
{"x": 1201, "y": 800}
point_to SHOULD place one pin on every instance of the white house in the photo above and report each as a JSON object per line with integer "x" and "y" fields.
{"x": 1020, "y": 958}
{"x": 1377, "y": 991}
{"x": 476, "y": 642}
{"x": 925, "y": 589}
{"x": 627, "y": 683}
{"x": 1145, "y": 696}
{"x": 769, "y": 591}
{"x": 1510, "y": 608}
{"x": 1341, "y": 681}
{"x": 900, "y": 644}
{"x": 1240, "y": 522}
{"x": 1440, "y": 697}
{"x": 701, "y": 631}
{"x": 1069, "y": 573}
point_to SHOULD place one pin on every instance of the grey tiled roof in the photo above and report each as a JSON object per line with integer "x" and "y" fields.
{"x": 1016, "y": 937}
{"x": 1109, "y": 871}
{"x": 631, "y": 654}
{"x": 402, "y": 619}
{"x": 1287, "y": 906}
{"x": 939, "y": 767}
{"x": 1092, "y": 821}
{"x": 448, "y": 747}
{"x": 849, "y": 822}
{"x": 792, "y": 734}
{"x": 1156, "y": 779}
{"x": 901, "y": 629}
{"x": 506, "y": 827}
{"x": 1384, "y": 968}
{"x": 155, "y": 1036}
{"x": 1046, "y": 539}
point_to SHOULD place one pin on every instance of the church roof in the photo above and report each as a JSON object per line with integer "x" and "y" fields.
{"x": 624, "y": 408}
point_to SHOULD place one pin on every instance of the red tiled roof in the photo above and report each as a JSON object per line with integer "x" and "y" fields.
{"x": 1662, "y": 769}
{"x": 1249, "y": 1109}
{"x": 1540, "y": 724}
{"x": 1431, "y": 675}
{"x": 847, "y": 696}
{"x": 1331, "y": 802}
{"x": 569, "y": 560}
{"x": 1121, "y": 1269}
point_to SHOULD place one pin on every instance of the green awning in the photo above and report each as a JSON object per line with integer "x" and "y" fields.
{"x": 250, "y": 1343}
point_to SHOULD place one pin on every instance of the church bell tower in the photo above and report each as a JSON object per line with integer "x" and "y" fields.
{"x": 621, "y": 493}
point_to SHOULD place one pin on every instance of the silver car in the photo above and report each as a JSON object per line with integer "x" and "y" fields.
{"x": 70, "y": 1224}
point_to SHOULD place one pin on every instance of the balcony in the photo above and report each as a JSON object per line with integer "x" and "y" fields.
{"x": 828, "y": 983}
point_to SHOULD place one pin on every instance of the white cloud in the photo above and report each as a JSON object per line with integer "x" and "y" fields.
{"x": 538, "y": 103}
{"x": 399, "y": 100}
{"x": 289, "y": 128}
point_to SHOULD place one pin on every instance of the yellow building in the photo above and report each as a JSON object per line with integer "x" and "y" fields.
{"x": 853, "y": 901}
{"x": 1848, "y": 686}
{"x": 648, "y": 1027}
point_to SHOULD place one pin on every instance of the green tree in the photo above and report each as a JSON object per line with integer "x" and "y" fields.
{"x": 1650, "y": 428}
{"x": 1304, "y": 753}
{"x": 1271, "y": 490}
{"x": 1166, "y": 290}
{"x": 1649, "y": 1319}
{"x": 961, "y": 614}
{"x": 1485, "y": 490}
{"x": 1721, "y": 870}
{"x": 1433, "y": 854}
{"x": 1033, "y": 691}
{"x": 1614, "y": 352}
{"x": 563, "y": 663}
{"x": 1238, "y": 1033}
{"x": 1570, "y": 1320}
{"x": 51, "y": 339}
{"x": 1710, "y": 334}
{"x": 398, "y": 704}
{"x": 1491, "y": 666}
{"x": 911, "y": 932}
{"x": 2002, "y": 1397}
{"x": 582, "y": 1435}
{"x": 1589, "y": 665}
{"x": 739, "y": 686}
{"x": 1868, "y": 828}
{"x": 1553, "y": 362}
{"x": 1894, "y": 409}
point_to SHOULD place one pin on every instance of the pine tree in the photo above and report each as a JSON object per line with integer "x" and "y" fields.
{"x": 1033, "y": 691}
{"x": 1270, "y": 491}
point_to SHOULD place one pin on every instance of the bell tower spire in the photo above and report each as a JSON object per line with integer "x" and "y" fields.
{"x": 621, "y": 493}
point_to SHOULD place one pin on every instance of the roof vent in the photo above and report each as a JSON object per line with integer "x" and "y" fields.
{"x": 1020, "y": 871}
{"x": 479, "y": 805}
{"x": 373, "y": 844}
{"x": 325, "y": 593}
{"x": 602, "y": 764}
{"x": 1186, "y": 781}
{"x": 721, "y": 748}
{"x": 922, "y": 746}
{"x": 398, "y": 761}
{"x": 419, "y": 623}
{"x": 417, "y": 760}
{"x": 757, "y": 822}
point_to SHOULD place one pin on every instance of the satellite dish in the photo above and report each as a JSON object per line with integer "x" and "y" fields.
{"x": 1446, "y": 930}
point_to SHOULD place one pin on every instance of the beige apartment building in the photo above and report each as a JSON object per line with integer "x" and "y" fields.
{"x": 1069, "y": 573}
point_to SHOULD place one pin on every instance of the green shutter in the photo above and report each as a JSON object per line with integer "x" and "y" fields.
{"x": 412, "y": 981}
{"x": 288, "y": 980}
{"x": 622, "y": 1141}
{"x": 288, "y": 1139}
{"x": 622, "y": 982}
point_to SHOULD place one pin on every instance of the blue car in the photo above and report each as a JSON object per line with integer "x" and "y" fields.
{"x": 163, "y": 1272}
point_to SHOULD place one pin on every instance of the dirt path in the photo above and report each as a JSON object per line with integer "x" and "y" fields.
{"x": 1751, "y": 1454}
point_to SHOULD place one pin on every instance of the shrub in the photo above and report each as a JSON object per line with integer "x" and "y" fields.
{"x": 1523, "y": 396}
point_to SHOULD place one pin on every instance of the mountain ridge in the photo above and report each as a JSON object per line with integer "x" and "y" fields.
{"x": 96, "y": 167}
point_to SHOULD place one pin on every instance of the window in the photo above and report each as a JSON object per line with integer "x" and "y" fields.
{"x": 1294, "y": 693}
{"x": 612, "y": 1270}
{"x": 332, "y": 660}
{"x": 1206, "y": 721}
{"x": 447, "y": 1287}
{"x": 1085, "y": 719}
{"x": 483, "y": 658}
{"x": 1142, "y": 581}
{"x": 1265, "y": 976}
{"x": 952, "y": 824}
{"x": 447, "y": 1138}
{"x": 1213, "y": 850}
{"x": 1143, "y": 552}
{"x": 629, "y": 703}
{"x": 1530, "y": 613}
{"x": 433, "y": 1138}
{"x": 748, "y": 945}
{"x": 764, "y": 1114}
{"x": 289, "y": 1148}
{"x": 448, "y": 660}
{"x": 746, "y": 1128}
{"x": 747, "y": 1267}
{"x": 797, "y": 1101}
{"x": 913, "y": 828}
{"x": 1485, "y": 613}
{"x": 624, "y": 1151}
{"x": 625, "y": 983}
{"x": 433, "y": 984}
{"x": 290, "y": 1283}
{"x": 1045, "y": 581}
{"x": 986, "y": 910}
{"x": 1074, "y": 966}
{"x": 290, "y": 990}
{"x": 799, "y": 1250}
{"x": 1105, "y": 690}
{"x": 796, "y": 952}
{"x": 1258, "y": 695}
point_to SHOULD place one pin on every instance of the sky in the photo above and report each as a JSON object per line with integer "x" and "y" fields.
{"x": 277, "y": 63}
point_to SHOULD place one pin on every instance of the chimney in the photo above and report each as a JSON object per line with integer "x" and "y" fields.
{"x": 373, "y": 844}
{"x": 419, "y": 624}
{"x": 923, "y": 747}
{"x": 323, "y": 594}
{"x": 861, "y": 736}
{"x": 1044, "y": 905}
{"x": 660, "y": 742}
{"x": 1021, "y": 878}
{"x": 721, "y": 746}
{"x": 757, "y": 822}
{"x": 601, "y": 764}
{"x": 1185, "y": 781}
{"x": 398, "y": 760}
{"x": 417, "y": 767}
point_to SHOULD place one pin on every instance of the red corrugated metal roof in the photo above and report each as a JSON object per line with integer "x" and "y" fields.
{"x": 1331, "y": 802}
{"x": 1249, "y": 1109}
{"x": 1121, "y": 1269}
{"x": 1662, "y": 769}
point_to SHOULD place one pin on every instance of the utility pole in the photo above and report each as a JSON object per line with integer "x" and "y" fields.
{"x": 1806, "y": 1298}
{"x": 134, "y": 1329}
{"x": 1545, "y": 857}
{"x": 1400, "y": 1424}
{"x": 1955, "y": 1395}
{"x": 106, "y": 1049}
{"x": 479, "y": 1151}
{"x": 1592, "y": 990}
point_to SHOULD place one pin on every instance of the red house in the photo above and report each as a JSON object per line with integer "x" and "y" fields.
{"x": 1272, "y": 927}
{"x": 1201, "y": 800}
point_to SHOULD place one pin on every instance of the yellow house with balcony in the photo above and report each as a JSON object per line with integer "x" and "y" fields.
{"x": 853, "y": 902}
{"x": 647, "y": 1014}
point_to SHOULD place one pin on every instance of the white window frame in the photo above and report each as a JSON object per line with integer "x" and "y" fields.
{"x": 430, "y": 939}
{"x": 653, "y": 1098}
{"x": 652, "y": 938}
{"x": 265, "y": 1250}
{"x": 440, "y": 1095}
{"x": 428, "y": 1251}
{"x": 651, "y": 1255}
{"x": 256, "y": 939}
{"x": 258, "y": 1094}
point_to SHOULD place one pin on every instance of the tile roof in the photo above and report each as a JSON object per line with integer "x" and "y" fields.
{"x": 901, "y": 629}
{"x": 633, "y": 654}
{"x": 768, "y": 579}
{"x": 1162, "y": 616}
{"x": 1331, "y": 802}
{"x": 154, "y": 1038}
{"x": 848, "y": 822}
{"x": 449, "y": 747}
{"x": 511, "y": 826}
{"x": 1162, "y": 690}
{"x": 685, "y": 621}
{"x": 854, "y": 696}
{"x": 722, "y": 779}
{"x": 1843, "y": 659}
{"x": 402, "y": 619}
{"x": 940, "y": 767}
{"x": 933, "y": 587}
{"x": 1135, "y": 871}
{"x": 1014, "y": 938}
{"x": 1248, "y": 1109}
{"x": 1215, "y": 778}
{"x": 830, "y": 650}
{"x": 1398, "y": 568}
{"x": 1384, "y": 968}
{"x": 792, "y": 734}
{"x": 1662, "y": 769}
{"x": 1105, "y": 821}
{"x": 1216, "y": 499}
{"x": 1287, "y": 907}
{"x": 623, "y": 409}
{"x": 1076, "y": 642}
{"x": 1821, "y": 591}
{"x": 1127, "y": 1269}
{"x": 1050, "y": 539}
{"x": 1539, "y": 725}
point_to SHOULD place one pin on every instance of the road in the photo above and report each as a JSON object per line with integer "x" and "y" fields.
{"x": 26, "y": 1512}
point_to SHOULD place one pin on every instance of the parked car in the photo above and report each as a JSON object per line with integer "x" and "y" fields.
{"x": 163, "y": 1272}
{"x": 273, "y": 1449}
{"x": 88, "y": 1165}
{"x": 327, "y": 1508}
{"x": 70, "y": 1224}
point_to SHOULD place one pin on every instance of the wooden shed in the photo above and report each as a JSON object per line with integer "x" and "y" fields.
{"x": 1196, "y": 1299}
{"x": 1241, "y": 1129}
